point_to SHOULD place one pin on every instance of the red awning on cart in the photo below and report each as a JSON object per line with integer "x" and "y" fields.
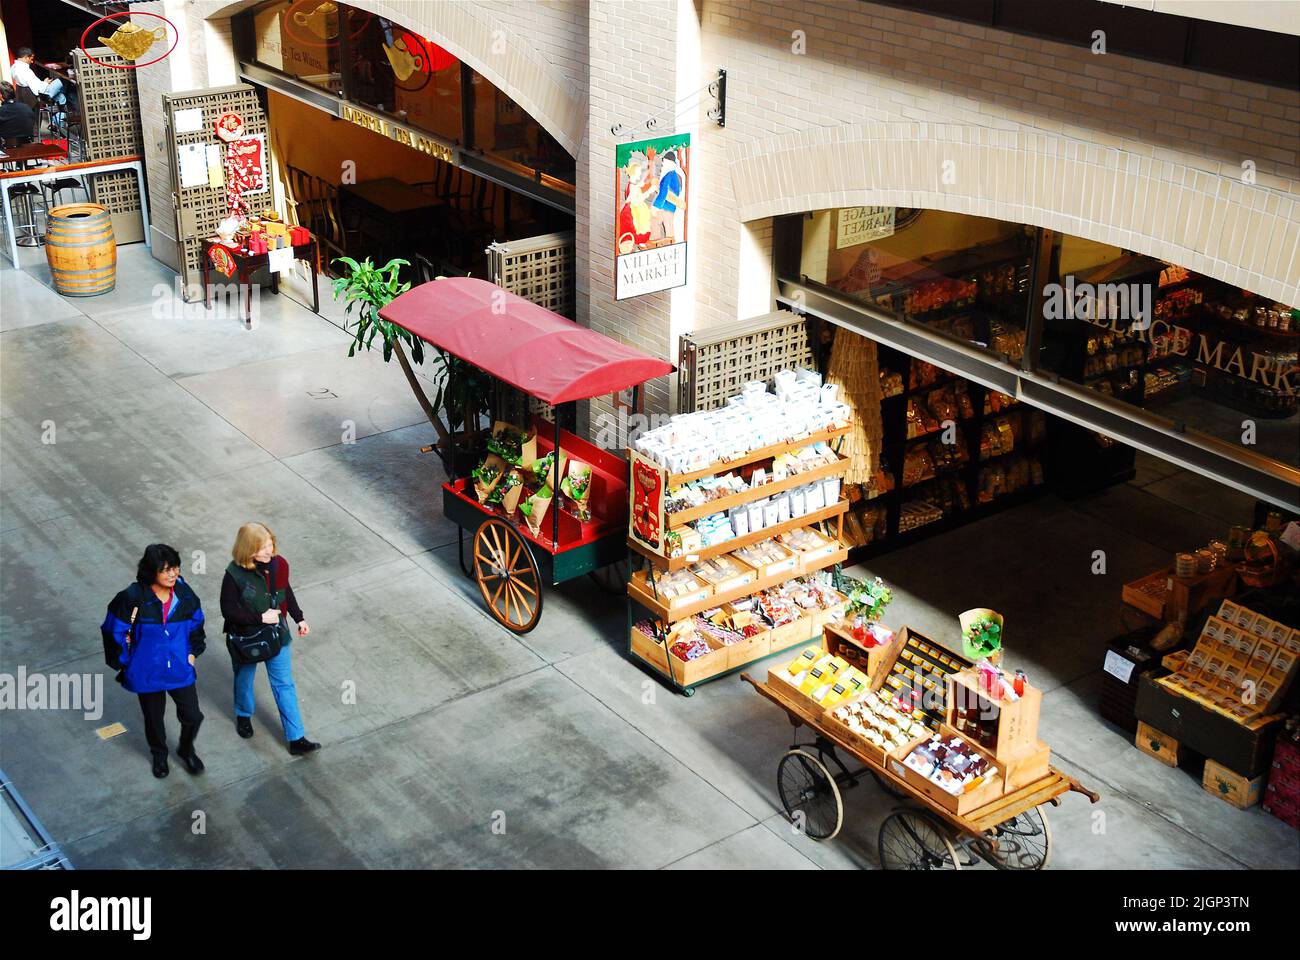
{"x": 540, "y": 352}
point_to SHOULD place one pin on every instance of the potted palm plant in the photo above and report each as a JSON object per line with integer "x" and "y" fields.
{"x": 461, "y": 393}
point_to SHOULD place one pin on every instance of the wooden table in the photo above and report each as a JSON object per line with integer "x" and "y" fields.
{"x": 246, "y": 263}
{"x": 32, "y": 151}
{"x": 401, "y": 210}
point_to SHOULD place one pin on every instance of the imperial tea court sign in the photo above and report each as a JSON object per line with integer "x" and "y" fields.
{"x": 860, "y": 224}
{"x": 651, "y": 178}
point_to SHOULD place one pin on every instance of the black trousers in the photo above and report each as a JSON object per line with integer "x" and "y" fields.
{"x": 154, "y": 708}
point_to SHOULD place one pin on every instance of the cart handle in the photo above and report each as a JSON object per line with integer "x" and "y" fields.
{"x": 1077, "y": 787}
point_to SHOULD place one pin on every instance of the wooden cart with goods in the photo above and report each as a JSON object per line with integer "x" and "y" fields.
{"x": 1001, "y": 821}
{"x": 816, "y": 531}
{"x": 516, "y": 549}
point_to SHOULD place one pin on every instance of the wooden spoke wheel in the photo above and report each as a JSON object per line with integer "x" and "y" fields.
{"x": 809, "y": 795}
{"x": 915, "y": 840}
{"x": 507, "y": 576}
{"x": 1023, "y": 843}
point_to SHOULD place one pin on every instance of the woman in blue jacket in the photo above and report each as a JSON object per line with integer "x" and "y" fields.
{"x": 152, "y": 634}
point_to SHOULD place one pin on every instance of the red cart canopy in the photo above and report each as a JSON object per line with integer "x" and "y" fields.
{"x": 540, "y": 352}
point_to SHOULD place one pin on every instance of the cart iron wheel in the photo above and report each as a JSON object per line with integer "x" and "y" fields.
{"x": 916, "y": 840}
{"x": 809, "y": 795}
{"x": 1023, "y": 843}
{"x": 507, "y": 575}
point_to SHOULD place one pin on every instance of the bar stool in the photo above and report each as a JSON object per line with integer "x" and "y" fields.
{"x": 22, "y": 199}
{"x": 55, "y": 187}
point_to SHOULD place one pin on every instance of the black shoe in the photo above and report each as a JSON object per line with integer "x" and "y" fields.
{"x": 244, "y": 726}
{"x": 160, "y": 767}
{"x": 302, "y": 745}
{"x": 191, "y": 761}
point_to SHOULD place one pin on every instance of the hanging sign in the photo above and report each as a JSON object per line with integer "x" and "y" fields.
{"x": 650, "y": 183}
{"x": 861, "y": 224}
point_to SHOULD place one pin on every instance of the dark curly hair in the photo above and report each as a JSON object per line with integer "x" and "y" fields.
{"x": 157, "y": 558}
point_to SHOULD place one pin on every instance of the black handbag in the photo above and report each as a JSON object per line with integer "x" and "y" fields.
{"x": 257, "y": 647}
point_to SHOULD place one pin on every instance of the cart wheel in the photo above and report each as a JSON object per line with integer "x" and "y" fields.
{"x": 884, "y": 784}
{"x": 1024, "y": 842}
{"x": 507, "y": 576}
{"x": 914, "y": 840}
{"x": 688, "y": 691}
{"x": 809, "y": 795}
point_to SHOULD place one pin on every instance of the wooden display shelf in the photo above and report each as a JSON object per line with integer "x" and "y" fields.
{"x": 639, "y": 590}
{"x": 735, "y": 543}
{"x": 722, "y": 659}
{"x": 763, "y": 453}
{"x": 682, "y": 517}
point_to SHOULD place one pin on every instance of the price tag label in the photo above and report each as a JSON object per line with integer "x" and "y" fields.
{"x": 1119, "y": 667}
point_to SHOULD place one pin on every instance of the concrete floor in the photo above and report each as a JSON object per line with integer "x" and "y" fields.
{"x": 467, "y": 746}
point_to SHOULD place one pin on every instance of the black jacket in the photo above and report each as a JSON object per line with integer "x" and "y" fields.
{"x": 239, "y": 616}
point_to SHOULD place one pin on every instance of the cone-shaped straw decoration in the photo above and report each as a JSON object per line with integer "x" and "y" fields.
{"x": 855, "y": 369}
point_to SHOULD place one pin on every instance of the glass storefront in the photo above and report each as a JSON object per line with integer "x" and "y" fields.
{"x": 1216, "y": 360}
{"x": 384, "y": 67}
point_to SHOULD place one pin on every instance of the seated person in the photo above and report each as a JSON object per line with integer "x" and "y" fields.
{"x": 25, "y": 76}
{"x": 17, "y": 120}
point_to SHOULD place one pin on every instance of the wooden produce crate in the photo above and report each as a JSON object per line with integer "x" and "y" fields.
{"x": 1241, "y": 791}
{"x": 685, "y": 672}
{"x": 874, "y": 661}
{"x": 673, "y": 605}
{"x": 787, "y": 565}
{"x": 986, "y": 792}
{"x": 1155, "y": 743}
{"x": 848, "y": 735}
{"x": 748, "y": 650}
{"x": 1166, "y": 597}
{"x": 1017, "y": 719}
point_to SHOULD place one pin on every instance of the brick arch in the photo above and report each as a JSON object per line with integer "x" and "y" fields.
{"x": 469, "y": 31}
{"x": 1204, "y": 220}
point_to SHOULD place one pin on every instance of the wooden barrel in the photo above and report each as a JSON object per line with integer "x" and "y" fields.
{"x": 81, "y": 251}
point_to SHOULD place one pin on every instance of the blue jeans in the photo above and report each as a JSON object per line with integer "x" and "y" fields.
{"x": 55, "y": 92}
{"x": 279, "y": 670}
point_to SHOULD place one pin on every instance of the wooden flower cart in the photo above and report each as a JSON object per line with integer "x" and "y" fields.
{"x": 556, "y": 361}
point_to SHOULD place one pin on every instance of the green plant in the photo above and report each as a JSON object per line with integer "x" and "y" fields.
{"x": 867, "y": 598}
{"x": 526, "y": 503}
{"x": 983, "y": 637}
{"x": 462, "y": 389}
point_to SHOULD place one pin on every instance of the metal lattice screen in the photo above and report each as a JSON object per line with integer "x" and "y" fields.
{"x": 199, "y": 209}
{"x": 716, "y": 362}
{"x": 539, "y": 269}
{"x": 110, "y": 127}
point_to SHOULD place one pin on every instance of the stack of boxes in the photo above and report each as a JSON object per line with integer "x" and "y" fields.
{"x": 1282, "y": 796}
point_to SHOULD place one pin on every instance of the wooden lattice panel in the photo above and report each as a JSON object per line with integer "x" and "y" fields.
{"x": 715, "y": 363}
{"x": 539, "y": 269}
{"x": 200, "y": 209}
{"x": 110, "y": 126}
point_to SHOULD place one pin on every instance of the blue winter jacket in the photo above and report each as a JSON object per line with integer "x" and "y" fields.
{"x": 157, "y": 657}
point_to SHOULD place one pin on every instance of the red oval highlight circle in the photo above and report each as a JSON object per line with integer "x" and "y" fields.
{"x": 176, "y": 38}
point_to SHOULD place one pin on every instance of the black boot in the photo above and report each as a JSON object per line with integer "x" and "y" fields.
{"x": 302, "y": 745}
{"x": 244, "y": 726}
{"x": 160, "y": 766}
{"x": 191, "y": 761}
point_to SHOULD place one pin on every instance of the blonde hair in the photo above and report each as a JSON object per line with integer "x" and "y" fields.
{"x": 249, "y": 540}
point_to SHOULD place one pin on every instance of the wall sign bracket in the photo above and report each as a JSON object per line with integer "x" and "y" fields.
{"x": 716, "y": 88}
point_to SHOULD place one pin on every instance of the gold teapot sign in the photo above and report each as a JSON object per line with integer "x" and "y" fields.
{"x": 130, "y": 40}
{"x": 323, "y": 20}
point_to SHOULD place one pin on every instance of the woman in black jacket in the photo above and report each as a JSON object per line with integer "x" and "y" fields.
{"x": 255, "y": 592}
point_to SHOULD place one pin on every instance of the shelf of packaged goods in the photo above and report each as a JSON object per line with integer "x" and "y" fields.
{"x": 682, "y": 517}
{"x": 735, "y": 543}
{"x": 754, "y": 456}
{"x": 641, "y": 592}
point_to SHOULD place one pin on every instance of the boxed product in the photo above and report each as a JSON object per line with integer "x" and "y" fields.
{"x": 953, "y": 772}
{"x": 812, "y": 548}
{"x": 768, "y": 557}
{"x": 870, "y": 722}
{"x": 724, "y": 573}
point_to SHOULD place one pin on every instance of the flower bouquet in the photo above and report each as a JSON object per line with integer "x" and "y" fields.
{"x": 576, "y": 487}
{"x": 543, "y": 469}
{"x": 867, "y": 602}
{"x": 511, "y": 444}
{"x": 487, "y": 475}
{"x": 981, "y": 634}
{"x": 534, "y": 507}
{"x": 507, "y": 492}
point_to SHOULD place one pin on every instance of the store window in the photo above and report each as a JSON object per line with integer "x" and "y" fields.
{"x": 505, "y": 131}
{"x": 962, "y": 276}
{"x": 1219, "y": 360}
{"x": 398, "y": 72}
{"x": 300, "y": 38}
{"x": 1214, "y": 357}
